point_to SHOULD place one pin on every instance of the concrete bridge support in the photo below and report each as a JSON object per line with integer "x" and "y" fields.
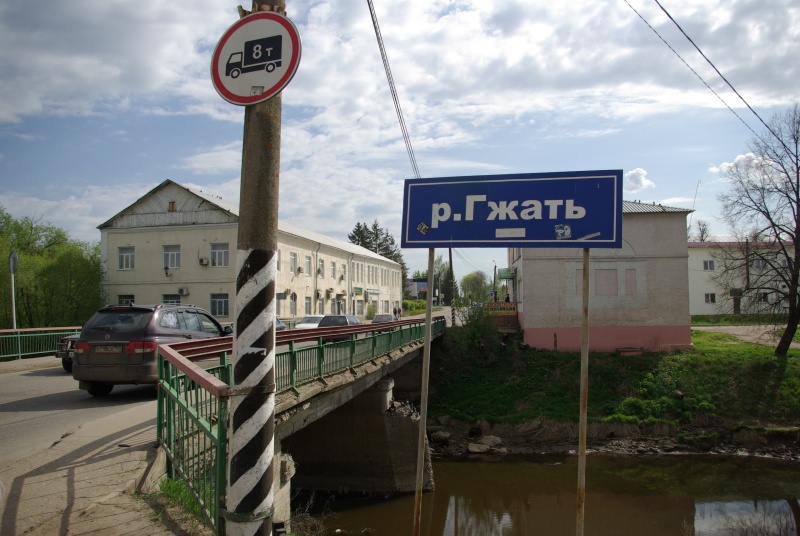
{"x": 364, "y": 446}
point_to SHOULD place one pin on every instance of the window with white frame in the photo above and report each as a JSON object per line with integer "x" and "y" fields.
{"x": 708, "y": 266}
{"x": 308, "y": 267}
{"x": 293, "y": 304}
{"x": 219, "y": 254}
{"x": 344, "y": 271}
{"x": 711, "y": 297}
{"x": 333, "y": 270}
{"x": 171, "y": 299}
{"x": 172, "y": 256}
{"x": 126, "y": 258}
{"x": 320, "y": 268}
{"x": 293, "y": 262}
{"x": 308, "y": 305}
{"x": 759, "y": 264}
{"x": 219, "y": 304}
{"x": 321, "y": 306}
{"x": 762, "y": 297}
{"x": 124, "y": 299}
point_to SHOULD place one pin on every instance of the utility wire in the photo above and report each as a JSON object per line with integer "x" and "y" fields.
{"x": 393, "y": 90}
{"x": 721, "y": 76}
{"x": 701, "y": 78}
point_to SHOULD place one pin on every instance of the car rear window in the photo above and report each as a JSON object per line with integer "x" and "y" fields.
{"x": 119, "y": 321}
{"x": 333, "y": 321}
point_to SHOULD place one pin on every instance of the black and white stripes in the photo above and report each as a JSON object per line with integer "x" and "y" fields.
{"x": 251, "y": 448}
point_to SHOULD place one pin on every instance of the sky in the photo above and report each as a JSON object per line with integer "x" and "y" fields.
{"x": 100, "y": 101}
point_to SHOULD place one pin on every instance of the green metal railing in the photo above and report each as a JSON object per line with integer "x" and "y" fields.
{"x": 21, "y": 343}
{"x": 193, "y": 402}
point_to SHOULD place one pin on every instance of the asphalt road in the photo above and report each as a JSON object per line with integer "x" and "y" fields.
{"x": 38, "y": 407}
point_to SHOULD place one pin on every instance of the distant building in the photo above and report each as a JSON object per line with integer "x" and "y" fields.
{"x": 178, "y": 245}
{"x": 753, "y": 287}
{"x": 639, "y": 294}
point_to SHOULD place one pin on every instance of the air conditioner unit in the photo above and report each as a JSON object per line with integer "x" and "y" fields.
{"x": 300, "y": 270}
{"x": 330, "y": 290}
{"x": 288, "y": 292}
{"x": 203, "y": 261}
{"x": 184, "y": 291}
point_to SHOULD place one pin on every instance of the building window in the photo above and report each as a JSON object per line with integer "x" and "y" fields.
{"x": 759, "y": 264}
{"x": 278, "y": 263}
{"x": 219, "y": 254}
{"x": 708, "y": 266}
{"x": 344, "y": 272}
{"x": 308, "y": 266}
{"x": 711, "y": 297}
{"x": 172, "y": 256}
{"x": 171, "y": 299}
{"x": 124, "y": 299}
{"x": 293, "y": 304}
{"x": 360, "y": 308}
{"x": 763, "y": 297}
{"x": 784, "y": 262}
{"x": 293, "y": 262}
{"x": 126, "y": 258}
{"x": 219, "y": 304}
{"x": 308, "y": 305}
{"x": 320, "y": 268}
{"x": 171, "y": 206}
{"x": 333, "y": 270}
{"x": 321, "y": 306}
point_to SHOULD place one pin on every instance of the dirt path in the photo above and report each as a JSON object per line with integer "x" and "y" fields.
{"x": 765, "y": 335}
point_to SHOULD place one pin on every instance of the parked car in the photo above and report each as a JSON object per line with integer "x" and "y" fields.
{"x": 309, "y": 322}
{"x": 332, "y": 321}
{"x": 65, "y": 350}
{"x": 118, "y": 345}
{"x": 384, "y": 318}
{"x": 279, "y": 326}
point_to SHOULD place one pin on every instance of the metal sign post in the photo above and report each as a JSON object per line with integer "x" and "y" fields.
{"x": 584, "y": 397}
{"x": 423, "y": 411}
{"x": 13, "y": 261}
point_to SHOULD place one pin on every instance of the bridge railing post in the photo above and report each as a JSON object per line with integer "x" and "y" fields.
{"x": 320, "y": 358}
{"x": 292, "y": 364}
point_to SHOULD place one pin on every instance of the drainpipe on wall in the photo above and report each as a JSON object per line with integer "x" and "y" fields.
{"x": 350, "y": 298}
{"x": 316, "y": 280}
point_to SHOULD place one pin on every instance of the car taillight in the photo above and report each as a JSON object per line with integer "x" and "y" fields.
{"x": 140, "y": 347}
{"x": 81, "y": 347}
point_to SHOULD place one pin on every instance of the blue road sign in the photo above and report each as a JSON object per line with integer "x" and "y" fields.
{"x": 581, "y": 209}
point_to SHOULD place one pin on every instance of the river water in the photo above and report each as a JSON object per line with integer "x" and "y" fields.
{"x": 674, "y": 495}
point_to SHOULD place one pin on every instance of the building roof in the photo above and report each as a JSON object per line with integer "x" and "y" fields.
{"x": 284, "y": 227}
{"x": 637, "y": 207}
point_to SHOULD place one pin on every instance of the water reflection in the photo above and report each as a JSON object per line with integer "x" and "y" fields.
{"x": 625, "y": 496}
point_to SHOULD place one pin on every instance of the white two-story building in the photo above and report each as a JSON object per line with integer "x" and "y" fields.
{"x": 178, "y": 245}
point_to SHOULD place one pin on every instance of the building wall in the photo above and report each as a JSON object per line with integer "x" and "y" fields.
{"x": 705, "y": 298}
{"x": 639, "y": 294}
{"x": 195, "y": 225}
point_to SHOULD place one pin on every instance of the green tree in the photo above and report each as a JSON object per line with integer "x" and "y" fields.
{"x": 376, "y": 238}
{"x": 58, "y": 280}
{"x": 763, "y": 205}
{"x": 475, "y": 287}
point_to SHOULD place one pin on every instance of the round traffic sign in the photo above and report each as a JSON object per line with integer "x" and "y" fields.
{"x": 255, "y": 58}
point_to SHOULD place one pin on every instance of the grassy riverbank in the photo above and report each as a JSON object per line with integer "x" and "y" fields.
{"x": 724, "y": 384}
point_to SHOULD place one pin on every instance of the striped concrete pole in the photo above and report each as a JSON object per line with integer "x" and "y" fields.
{"x": 251, "y": 450}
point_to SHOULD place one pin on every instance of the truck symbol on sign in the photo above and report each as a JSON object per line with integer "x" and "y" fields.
{"x": 258, "y": 54}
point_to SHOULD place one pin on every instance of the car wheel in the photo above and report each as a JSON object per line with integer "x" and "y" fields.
{"x": 67, "y": 364}
{"x": 100, "y": 388}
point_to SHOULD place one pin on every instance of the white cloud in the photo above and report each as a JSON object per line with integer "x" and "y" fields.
{"x": 219, "y": 159}
{"x": 636, "y": 181}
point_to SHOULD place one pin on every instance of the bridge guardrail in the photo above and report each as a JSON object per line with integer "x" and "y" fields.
{"x": 193, "y": 401}
{"x": 32, "y": 342}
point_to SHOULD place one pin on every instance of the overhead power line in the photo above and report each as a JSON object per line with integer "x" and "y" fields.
{"x": 671, "y": 18}
{"x": 393, "y": 90}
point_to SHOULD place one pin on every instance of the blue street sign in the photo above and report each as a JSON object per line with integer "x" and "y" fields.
{"x": 581, "y": 209}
